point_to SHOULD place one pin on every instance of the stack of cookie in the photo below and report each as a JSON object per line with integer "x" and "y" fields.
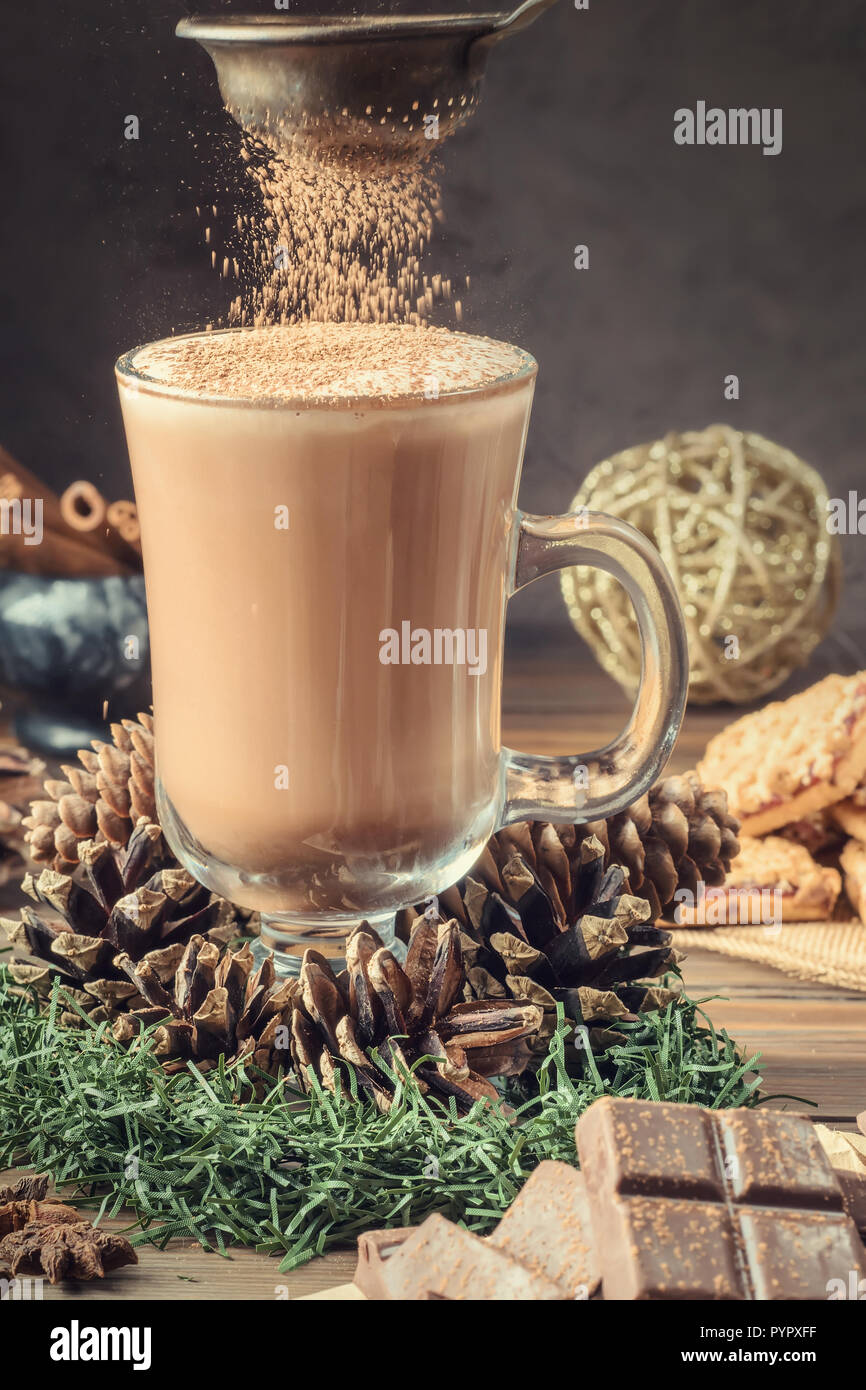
{"x": 795, "y": 775}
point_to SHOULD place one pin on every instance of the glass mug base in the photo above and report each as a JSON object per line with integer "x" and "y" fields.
{"x": 286, "y": 938}
{"x": 331, "y": 900}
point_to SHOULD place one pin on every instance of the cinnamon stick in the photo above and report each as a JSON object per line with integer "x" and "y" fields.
{"x": 82, "y": 506}
{"x": 58, "y": 556}
{"x": 123, "y": 517}
{"x": 86, "y": 512}
{"x": 28, "y": 485}
{"x": 62, "y": 549}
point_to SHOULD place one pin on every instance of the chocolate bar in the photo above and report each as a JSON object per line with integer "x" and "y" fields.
{"x": 547, "y": 1227}
{"x": 688, "y": 1203}
{"x": 441, "y": 1260}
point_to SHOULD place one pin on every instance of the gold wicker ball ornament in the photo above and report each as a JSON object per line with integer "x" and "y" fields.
{"x": 741, "y": 524}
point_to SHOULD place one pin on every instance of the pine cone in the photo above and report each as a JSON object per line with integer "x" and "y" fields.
{"x": 213, "y": 1005}
{"x": 676, "y": 836}
{"x": 375, "y": 1016}
{"x": 102, "y": 799}
{"x": 20, "y": 779}
{"x": 139, "y": 903}
{"x": 544, "y": 922}
{"x": 405, "y": 1013}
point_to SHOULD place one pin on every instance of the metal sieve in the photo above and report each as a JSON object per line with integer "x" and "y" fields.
{"x": 383, "y": 84}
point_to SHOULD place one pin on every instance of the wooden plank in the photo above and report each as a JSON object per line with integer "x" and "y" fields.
{"x": 811, "y": 1037}
{"x": 184, "y": 1271}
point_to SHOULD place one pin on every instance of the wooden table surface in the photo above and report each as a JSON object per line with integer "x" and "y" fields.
{"x": 811, "y": 1037}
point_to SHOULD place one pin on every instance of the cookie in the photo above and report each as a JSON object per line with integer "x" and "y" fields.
{"x": 816, "y": 832}
{"x": 853, "y": 861}
{"x": 794, "y": 757}
{"x": 771, "y": 881}
{"x": 850, "y": 814}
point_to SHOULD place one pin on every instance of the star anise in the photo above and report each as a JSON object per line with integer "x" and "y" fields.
{"x": 55, "y": 1240}
{"x": 23, "y": 1203}
{"x": 31, "y": 1188}
{"x": 14, "y": 1216}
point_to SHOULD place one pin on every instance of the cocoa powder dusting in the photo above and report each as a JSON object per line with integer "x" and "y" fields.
{"x": 329, "y": 362}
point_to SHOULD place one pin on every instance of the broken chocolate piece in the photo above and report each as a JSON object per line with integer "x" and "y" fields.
{"x": 374, "y": 1248}
{"x": 15, "y": 1215}
{"x": 440, "y": 1260}
{"x": 548, "y": 1229}
{"x": 688, "y": 1203}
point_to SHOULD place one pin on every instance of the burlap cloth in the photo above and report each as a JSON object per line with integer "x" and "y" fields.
{"x": 833, "y": 953}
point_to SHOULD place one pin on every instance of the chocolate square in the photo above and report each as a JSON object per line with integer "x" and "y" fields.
{"x": 676, "y": 1249}
{"x": 775, "y": 1158}
{"x": 795, "y": 1254}
{"x": 643, "y": 1155}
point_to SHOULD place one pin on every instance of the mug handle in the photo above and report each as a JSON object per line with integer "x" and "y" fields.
{"x": 590, "y": 786}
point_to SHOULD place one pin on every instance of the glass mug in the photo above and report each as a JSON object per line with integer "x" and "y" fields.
{"x": 326, "y": 590}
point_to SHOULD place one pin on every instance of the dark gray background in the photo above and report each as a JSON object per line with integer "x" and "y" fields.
{"x": 702, "y": 261}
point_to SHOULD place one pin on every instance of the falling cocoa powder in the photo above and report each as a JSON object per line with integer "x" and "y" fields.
{"x": 336, "y": 239}
{"x": 334, "y": 234}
